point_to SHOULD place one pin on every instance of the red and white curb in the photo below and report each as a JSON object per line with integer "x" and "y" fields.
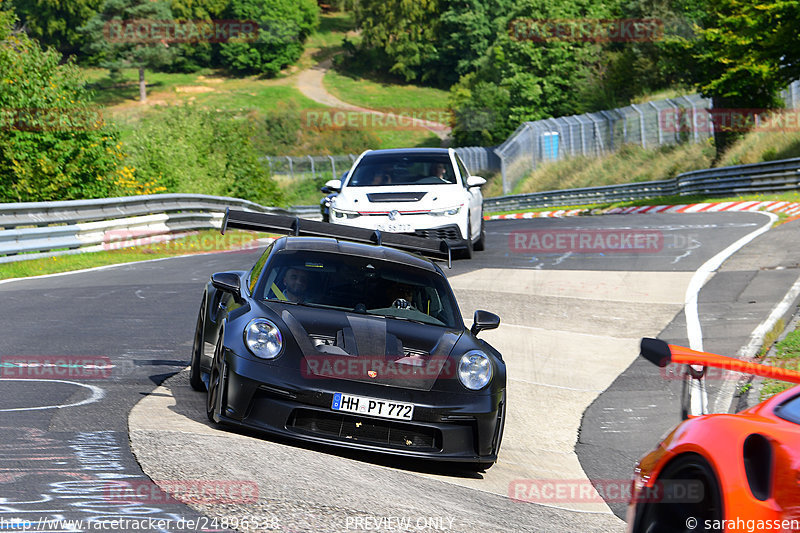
{"x": 539, "y": 214}
{"x": 788, "y": 208}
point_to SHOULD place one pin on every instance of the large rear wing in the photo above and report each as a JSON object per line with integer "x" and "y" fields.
{"x": 661, "y": 354}
{"x": 433, "y": 248}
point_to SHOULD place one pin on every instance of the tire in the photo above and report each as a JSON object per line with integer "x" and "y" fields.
{"x": 467, "y": 253}
{"x": 195, "y": 371}
{"x": 215, "y": 386}
{"x": 666, "y": 516}
{"x": 480, "y": 244}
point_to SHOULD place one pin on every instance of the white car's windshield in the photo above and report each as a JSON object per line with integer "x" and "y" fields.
{"x": 403, "y": 169}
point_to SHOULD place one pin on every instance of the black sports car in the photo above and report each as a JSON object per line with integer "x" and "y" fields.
{"x": 338, "y": 338}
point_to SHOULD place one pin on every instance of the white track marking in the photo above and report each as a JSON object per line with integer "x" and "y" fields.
{"x": 97, "y": 395}
{"x": 694, "y": 332}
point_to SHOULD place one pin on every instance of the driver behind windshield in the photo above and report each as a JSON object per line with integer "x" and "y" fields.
{"x": 295, "y": 283}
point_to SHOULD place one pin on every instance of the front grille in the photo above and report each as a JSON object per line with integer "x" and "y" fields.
{"x": 446, "y": 232}
{"x": 365, "y": 430}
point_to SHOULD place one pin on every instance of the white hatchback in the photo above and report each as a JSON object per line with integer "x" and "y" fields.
{"x": 420, "y": 191}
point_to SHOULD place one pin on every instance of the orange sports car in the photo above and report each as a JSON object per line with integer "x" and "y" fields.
{"x": 722, "y": 472}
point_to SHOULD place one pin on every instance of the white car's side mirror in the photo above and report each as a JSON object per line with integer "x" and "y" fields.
{"x": 475, "y": 181}
{"x": 336, "y": 185}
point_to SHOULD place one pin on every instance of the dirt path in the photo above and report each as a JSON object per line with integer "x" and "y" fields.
{"x": 309, "y": 82}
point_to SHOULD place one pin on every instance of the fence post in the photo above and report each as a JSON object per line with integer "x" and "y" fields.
{"x": 269, "y": 161}
{"x": 641, "y": 125}
{"x": 611, "y": 121}
{"x": 658, "y": 124}
{"x": 291, "y": 168}
{"x": 313, "y": 172}
{"x": 694, "y": 117}
{"x": 333, "y": 166}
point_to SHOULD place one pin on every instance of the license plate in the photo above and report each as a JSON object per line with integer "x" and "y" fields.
{"x": 396, "y": 228}
{"x": 372, "y": 406}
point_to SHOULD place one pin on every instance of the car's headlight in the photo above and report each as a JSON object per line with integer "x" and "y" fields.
{"x": 475, "y": 370}
{"x": 448, "y": 212}
{"x": 263, "y": 338}
{"x": 341, "y": 214}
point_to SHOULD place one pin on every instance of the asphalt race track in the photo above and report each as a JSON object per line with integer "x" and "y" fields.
{"x": 581, "y": 408}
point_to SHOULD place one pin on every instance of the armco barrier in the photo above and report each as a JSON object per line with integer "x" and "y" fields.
{"x": 44, "y": 229}
{"x": 772, "y": 176}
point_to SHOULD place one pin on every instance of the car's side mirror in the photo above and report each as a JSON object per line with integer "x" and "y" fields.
{"x": 475, "y": 181}
{"x": 484, "y": 320}
{"x": 325, "y": 190}
{"x": 334, "y": 185}
{"x": 228, "y": 282}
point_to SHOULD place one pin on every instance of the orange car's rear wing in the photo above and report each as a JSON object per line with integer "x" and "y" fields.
{"x": 661, "y": 354}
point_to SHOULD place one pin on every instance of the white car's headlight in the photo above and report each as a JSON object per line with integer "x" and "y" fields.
{"x": 446, "y": 212}
{"x": 342, "y": 214}
{"x": 475, "y": 370}
{"x": 263, "y": 338}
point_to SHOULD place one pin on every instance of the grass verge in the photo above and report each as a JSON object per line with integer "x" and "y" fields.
{"x": 787, "y": 355}
{"x": 194, "y": 243}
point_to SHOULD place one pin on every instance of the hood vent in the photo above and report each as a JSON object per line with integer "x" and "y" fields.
{"x": 378, "y": 197}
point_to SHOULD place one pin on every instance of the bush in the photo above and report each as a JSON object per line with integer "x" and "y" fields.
{"x": 192, "y": 150}
{"x": 53, "y": 144}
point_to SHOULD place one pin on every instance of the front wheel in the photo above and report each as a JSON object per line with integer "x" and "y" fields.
{"x": 467, "y": 253}
{"x": 215, "y": 386}
{"x": 662, "y": 515}
{"x": 480, "y": 244}
{"x": 195, "y": 371}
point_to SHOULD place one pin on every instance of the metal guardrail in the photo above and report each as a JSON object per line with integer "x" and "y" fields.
{"x": 771, "y": 176}
{"x": 45, "y": 229}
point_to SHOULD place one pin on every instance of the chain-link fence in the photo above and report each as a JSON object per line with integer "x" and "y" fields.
{"x": 686, "y": 118}
{"x": 296, "y": 167}
{"x": 477, "y": 159}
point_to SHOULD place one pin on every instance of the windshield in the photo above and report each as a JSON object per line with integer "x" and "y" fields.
{"x": 359, "y": 284}
{"x": 403, "y": 169}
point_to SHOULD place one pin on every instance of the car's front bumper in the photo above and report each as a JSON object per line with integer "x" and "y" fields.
{"x": 454, "y": 227}
{"x": 278, "y": 400}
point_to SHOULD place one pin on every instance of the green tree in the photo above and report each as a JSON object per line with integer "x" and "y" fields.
{"x": 400, "y": 35}
{"x": 466, "y": 29}
{"x": 57, "y": 23}
{"x": 53, "y": 144}
{"x": 192, "y": 56}
{"x": 114, "y": 42}
{"x": 524, "y": 76}
{"x": 744, "y": 54}
{"x": 284, "y": 25}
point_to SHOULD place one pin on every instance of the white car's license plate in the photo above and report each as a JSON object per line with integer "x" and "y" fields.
{"x": 395, "y": 227}
{"x": 372, "y": 406}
